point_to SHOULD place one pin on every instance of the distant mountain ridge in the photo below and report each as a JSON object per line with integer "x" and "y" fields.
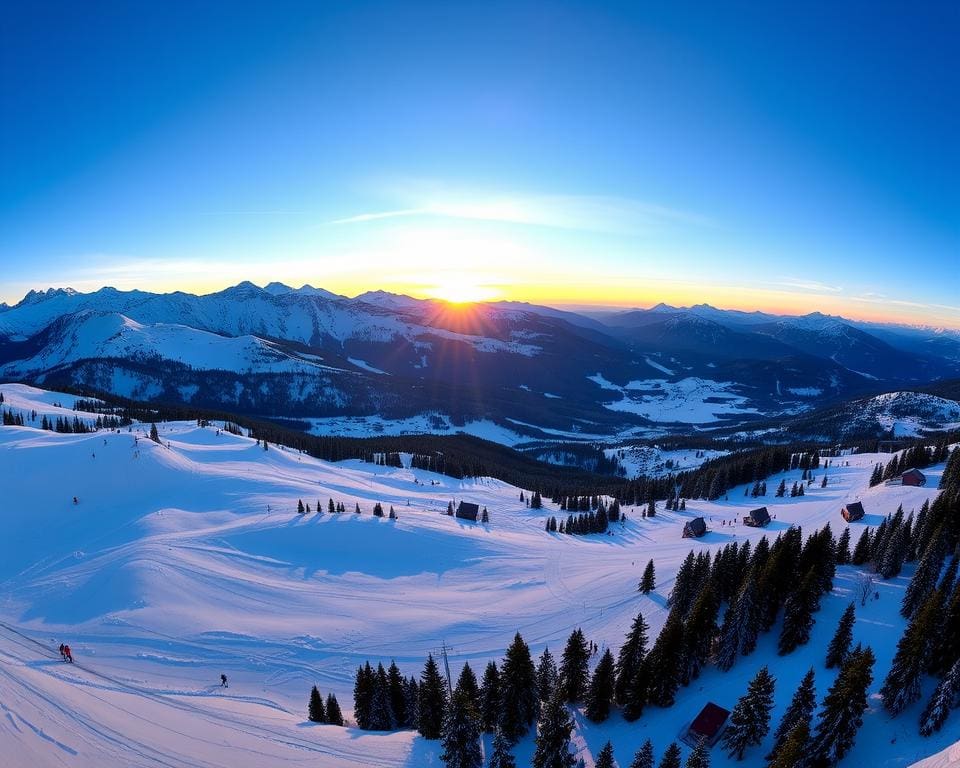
{"x": 307, "y": 352}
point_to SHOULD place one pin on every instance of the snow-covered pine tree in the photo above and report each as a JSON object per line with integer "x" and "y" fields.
{"x": 411, "y": 700}
{"x": 699, "y": 634}
{"x": 546, "y": 675}
{"x": 553, "y": 735}
{"x": 902, "y": 684}
{"x": 750, "y": 718}
{"x": 316, "y": 713}
{"x": 490, "y": 698}
{"x": 700, "y": 757}
{"x": 861, "y": 552}
{"x": 644, "y": 756}
{"x": 671, "y": 756}
{"x": 842, "y": 639}
{"x": 799, "y": 711}
{"x": 600, "y": 692}
{"x": 605, "y": 757}
{"x": 648, "y": 582}
{"x": 574, "y": 667}
{"x": 662, "y": 665}
{"x": 944, "y": 698}
{"x": 843, "y": 547}
{"x": 501, "y": 757}
{"x": 740, "y": 625}
{"x": 841, "y": 714}
{"x": 924, "y": 579}
{"x": 461, "y": 733}
{"x": 432, "y": 700}
{"x": 382, "y": 717}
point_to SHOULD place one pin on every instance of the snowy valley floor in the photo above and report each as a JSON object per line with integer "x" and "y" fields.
{"x": 186, "y": 560}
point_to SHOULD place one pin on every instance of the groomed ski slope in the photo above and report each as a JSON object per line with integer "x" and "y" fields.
{"x": 186, "y": 560}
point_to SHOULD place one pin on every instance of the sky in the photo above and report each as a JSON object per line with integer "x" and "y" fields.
{"x": 787, "y": 157}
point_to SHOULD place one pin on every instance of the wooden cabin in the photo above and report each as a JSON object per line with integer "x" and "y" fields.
{"x": 852, "y": 511}
{"x": 757, "y": 518}
{"x": 468, "y": 511}
{"x": 913, "y": 477}
{"x": 707, "y": 726}
{"x": 695, "y": 528}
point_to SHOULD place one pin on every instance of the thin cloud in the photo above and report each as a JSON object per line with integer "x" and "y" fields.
{"x": 810, "y": 285}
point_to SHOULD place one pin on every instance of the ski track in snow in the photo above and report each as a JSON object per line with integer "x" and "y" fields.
{"x": 172, "y": 570}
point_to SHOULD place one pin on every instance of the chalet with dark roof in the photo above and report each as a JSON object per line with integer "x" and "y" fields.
{"x": 707, "y": 726}
{"x": 913, "y": 477}
{"x": 468, "y": 511}
{"x": 852, "y": 511}
{"x": 757, "y": 518}
{"x": 695, "y": 528}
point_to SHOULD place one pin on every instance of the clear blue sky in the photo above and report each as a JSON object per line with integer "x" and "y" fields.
{"x": 786, "y": 156}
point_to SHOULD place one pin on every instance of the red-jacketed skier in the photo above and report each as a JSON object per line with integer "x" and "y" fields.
{"x": 67, "y": 656}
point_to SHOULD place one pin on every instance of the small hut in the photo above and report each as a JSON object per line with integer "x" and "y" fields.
{"x": 852, "y": 511}
{"x": 757, "y": 518}
{"x": 913, "y": 477}
{"x": 468, "y": 511}
{"x": 708, "y": 725}
{"x": 695, "y": 528}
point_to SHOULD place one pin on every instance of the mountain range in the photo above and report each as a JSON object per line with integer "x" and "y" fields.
{"x": 307, "y": 353}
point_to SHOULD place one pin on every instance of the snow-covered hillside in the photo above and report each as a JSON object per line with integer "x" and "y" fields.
{"x": 186, "y": 559}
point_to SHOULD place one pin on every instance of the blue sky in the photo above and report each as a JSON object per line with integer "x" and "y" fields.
{"x": 791, "y": 157}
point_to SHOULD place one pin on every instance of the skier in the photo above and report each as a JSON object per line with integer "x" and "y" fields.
{"x": 74, "y": 499}
{"x": 63, "y": 656}
{"x": 67, "y": 656}
{"x": 223, "y": 681}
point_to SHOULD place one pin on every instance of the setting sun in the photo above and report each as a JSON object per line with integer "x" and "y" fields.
{"x": 461, "y": 290}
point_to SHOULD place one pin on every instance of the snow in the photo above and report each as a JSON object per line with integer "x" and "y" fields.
{"x": 653, "y": 461}
{"x": 365, "y": 366}
{"x": 661, "y": 368}
{"x": 186, "y": 560}
{"x": 684, "y": 401}
{"x": 804, "y": 391}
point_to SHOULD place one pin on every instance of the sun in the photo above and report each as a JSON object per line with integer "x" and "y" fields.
{"x": 461, "y": 290}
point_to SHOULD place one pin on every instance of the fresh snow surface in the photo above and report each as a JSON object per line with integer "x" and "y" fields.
{"x": 370, "y": 426}
{"x": 187, "y": 559}
{"x": 691, "y": 400}
{"x": 909, "y": 414}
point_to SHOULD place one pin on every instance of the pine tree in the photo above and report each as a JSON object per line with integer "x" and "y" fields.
{"x": 461, "y": 733}
{"x": 396, "y": 687}
{"x": 861, "y": 552}
{"x": 700, "y": 757}
{"x": 334, "y": 715}
{"x": 671, "y": 757}
{"x": 902, "y": 684}
{"x": 630, "y": 658}
{"x": 467, "y": 684}
{"x": 600, "y": 693}
{"x": 840, "y": 644}
{"x": 546, "y": 675}
{"x": 605, "y": 757}
{"x": 648, "y": 582}
{"x": 750, "y": 718}
{"x": 841, "y": 714}
{"x": 798, "y": 615}
{"x": 740, "y": 626}
{"x": 924, "y": 580}
{"x": 662, "y": 665}
{"x": 794, "y": 751}
{"x": 315, "y": 710}
{"x": 300, "y": 507}
{"x": 382, "y": 717}
{"x": 553, "y": 735}
{"x": 644, "y": 756}
{"x": 411, "y": 700}
{"x": 843, "y": 547}
{"x": 363, "y": 695}
{"x": 574, "y": 667}
{"x": 941, "y": 702}
{"x": 490, "y": 698}
{"x": 154, "y": 435}
{"x": 432, "y": 701}
{"x": 501, "y": 757}
{"x": 518, "y": 685}
{"x": 799, "y": 712}
{"x": 699, "y": 634}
